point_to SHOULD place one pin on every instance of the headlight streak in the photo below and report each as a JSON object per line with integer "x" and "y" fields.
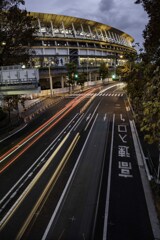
{"x": 66, "y": 189}
{"x": 30, "y": 171}
{"x": 31, "y": 135}
{"x": 30, "y": 186}
{"x": 43, "y": 198}
{"x": 72, "y": 104}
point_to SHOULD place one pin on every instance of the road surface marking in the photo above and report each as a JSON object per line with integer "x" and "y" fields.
{"x": 121, "y": 117}
{"x": 105, "y": 116}
{"x": 67, "y": 185}
{"x": 108, "y": 185}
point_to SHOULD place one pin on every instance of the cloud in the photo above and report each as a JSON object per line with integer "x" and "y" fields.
{"x": 124, "y": 15}
{"x": 106, "y": 5}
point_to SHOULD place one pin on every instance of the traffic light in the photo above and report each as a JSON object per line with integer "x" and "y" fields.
{"x": 76, "y": 76}
{"x": 113, "y": 76}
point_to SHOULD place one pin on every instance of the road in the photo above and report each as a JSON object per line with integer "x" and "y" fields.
{"x": 78, "y": 180}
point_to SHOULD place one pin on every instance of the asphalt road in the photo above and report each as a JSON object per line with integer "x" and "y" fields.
{"x": 87, "y": 184}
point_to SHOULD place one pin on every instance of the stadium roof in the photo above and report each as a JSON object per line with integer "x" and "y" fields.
{"x": 68, "y": 20}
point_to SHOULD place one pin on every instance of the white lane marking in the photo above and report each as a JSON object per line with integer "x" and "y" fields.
{"x": 88, "y": 117}
{"x": 148, "y": 194}
{"x": 66, "y": 189}
{"x": 105, "y": 227}
{"x": 105, "y": 116}
{"x": 91, "y": 117}
{"x": 77, "y": 123}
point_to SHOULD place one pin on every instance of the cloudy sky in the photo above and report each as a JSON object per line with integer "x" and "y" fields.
{"x": 121, "y": 14}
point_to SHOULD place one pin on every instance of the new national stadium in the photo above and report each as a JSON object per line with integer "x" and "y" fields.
{"x": 64, "y": 39}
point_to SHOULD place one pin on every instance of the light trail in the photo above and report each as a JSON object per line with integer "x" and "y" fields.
{"x": 64, "y": 112}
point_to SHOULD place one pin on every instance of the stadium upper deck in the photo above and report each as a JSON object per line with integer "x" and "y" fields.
{"x": 62, "y": 39}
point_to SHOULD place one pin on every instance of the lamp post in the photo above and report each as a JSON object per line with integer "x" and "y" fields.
{"x": 50, "y": 80}
{"x": 87, "y": 70}
{"x": 2, "y": 45}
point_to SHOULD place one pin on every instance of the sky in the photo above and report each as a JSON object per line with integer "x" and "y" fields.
{"x": 122, "y": 14}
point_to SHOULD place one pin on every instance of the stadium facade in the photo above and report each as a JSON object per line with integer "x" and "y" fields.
{"x": 63, "y": 39}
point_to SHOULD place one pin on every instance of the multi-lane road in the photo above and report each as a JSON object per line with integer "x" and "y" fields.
{"x": 74, "y": 173}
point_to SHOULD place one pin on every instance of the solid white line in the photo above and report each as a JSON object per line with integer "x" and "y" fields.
{"x": 146, "y": 186}
{"x": 91, "y": 117}
{"x": 77, "y": 123}
{"x": 67, "y": 185}
{"x": 105, "y": 116}
{"x": 108, "y": 185}
{"x": 138, "y": 148}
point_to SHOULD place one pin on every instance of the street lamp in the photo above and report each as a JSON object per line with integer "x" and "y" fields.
{"x": 87, "y": 70}
{"x": 50, "y": 79}
{"x": 2, "y": 45}
{"x": 23, "y": 66}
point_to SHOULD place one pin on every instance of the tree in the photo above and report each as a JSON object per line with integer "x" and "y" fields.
{"x": 103, "y": 70}
{"x": 16, "y": 33}
{"x": 150, "y": 122}
{"x": 151, "y": 33}
{"x": 71, "y": 70}
{"x": 151, "y": 106}
{"x": 11, "y": 102}
{"x": 82, "y": 79}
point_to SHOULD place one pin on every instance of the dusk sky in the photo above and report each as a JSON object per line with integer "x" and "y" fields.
{"x": 121, "y": 14}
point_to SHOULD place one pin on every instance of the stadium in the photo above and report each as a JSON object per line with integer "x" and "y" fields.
{"x": 64, "y": 39}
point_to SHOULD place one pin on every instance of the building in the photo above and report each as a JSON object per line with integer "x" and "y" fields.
{"x": 63, "y": 39}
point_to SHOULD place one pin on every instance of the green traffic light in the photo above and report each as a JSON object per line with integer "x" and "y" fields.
{"x": 114, "y": 76}
{"x": 76, "y": 75}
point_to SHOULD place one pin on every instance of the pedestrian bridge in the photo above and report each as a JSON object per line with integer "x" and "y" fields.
{"x": 14, "y": 80}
